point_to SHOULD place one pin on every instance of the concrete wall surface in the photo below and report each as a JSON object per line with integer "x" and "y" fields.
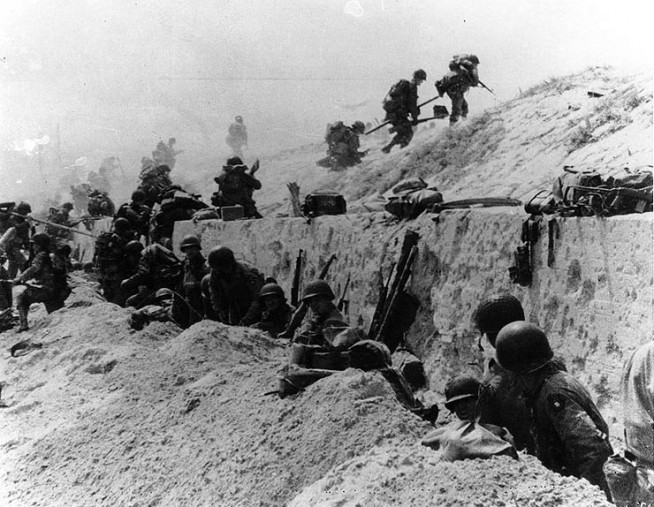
{"x": 594, "y": 301}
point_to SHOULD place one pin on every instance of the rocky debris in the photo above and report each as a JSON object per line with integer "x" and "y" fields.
{"x": 415, "y": 475}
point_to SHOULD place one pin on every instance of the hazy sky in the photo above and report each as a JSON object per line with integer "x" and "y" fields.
{"x": 116, "y": 76}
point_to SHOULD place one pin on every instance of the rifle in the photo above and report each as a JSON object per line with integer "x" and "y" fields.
{"x": 342, "y": 302}
{"x": 383, "y": 293}
{"x": 27, "y": 284}
{"x": 383, "y": 310}
{"x": 295, "y": 288}
{"x": 483, "y": 85}
{"x": 45, "y": 222}
{"x": 399, "y": 289}
{"x": 611, "y": 199}
{"x": 388, "y": 121}
{"x": 299, "y": 314}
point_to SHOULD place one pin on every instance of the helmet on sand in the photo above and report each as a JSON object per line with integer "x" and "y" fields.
{"x": 522, "y": 347}
{"x": 460, "y": 388}
{"x": 420, "y": 74}
{"x": 359, "y": 127}
{"x": 271, "y": 289}
{"x": 221, "y": 256}
{"x": 134, "y": 247}
{"x": 317, "y": 288}
{"x": 495, "y": 312}
{"x": 41, "y": 239}
{"x": 189, "y": 240}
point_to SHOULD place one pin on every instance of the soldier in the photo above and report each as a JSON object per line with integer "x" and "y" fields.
{"x": 236, "y": 186}
{"x": 6, "y": 296}
{"x": 233, "y": 288}
{"x": 39, "y": 278}
{"x": 325, "y": 321}
{"x": 158, "y": 268}
{"x": 276, "y": 313}
{"x": 60, "y": 216}
{"x": 194, "y": 268}
{"x": 400, "y": 102}
{"x": 570, "y": 434}
{"x": 462, "y": 75}
{"x": 137, "y": 213}
{"x": 161, "y": 311}
{"x": 16, "y": 236}
{"x": 154, "y": 180}
{"x": 237, "y": 137}
{"x": 111, "y": 261}
{"x": 500, "y": 401}
{"x": 343, "y": 145}
{"x": 100, "y": 205}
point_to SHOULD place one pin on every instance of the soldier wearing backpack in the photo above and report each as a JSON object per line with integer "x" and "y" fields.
{"x": 462, "y": 75}
{"x": 400, "y": 102}
{"x": 137, "y": 213}
{"x": 343, "y": 145}
{"x": 236, "y": 186}
{"x": 158, "y": 268}
{"x": 110, "y": 259}
{"x": 232, "y": 289}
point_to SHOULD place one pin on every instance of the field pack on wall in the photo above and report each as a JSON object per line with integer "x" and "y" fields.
{"x": 324, "y": 203}
{"x": 586, "y": 193}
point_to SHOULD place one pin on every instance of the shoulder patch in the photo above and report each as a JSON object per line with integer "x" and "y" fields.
{"x": 556, "y": 402}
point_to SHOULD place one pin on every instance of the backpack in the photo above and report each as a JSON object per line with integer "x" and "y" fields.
{"x": 335, "y": 133}
{"x": 324, "y": 203}
{"x": 234, "y": 181}
{"x": 395, "y": 96}
{"x": 565, "y": 187}
{"x": 107, "y": 250}
{"x": 179, "y": 198}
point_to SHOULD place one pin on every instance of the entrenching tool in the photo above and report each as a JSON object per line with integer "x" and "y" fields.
{"x": 388, "y": 121}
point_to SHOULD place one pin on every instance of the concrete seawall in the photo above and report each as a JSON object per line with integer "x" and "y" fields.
{"x": 595, "y": 301}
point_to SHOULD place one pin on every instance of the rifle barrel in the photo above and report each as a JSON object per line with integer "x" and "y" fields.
{"x": 388, "y": 121}
{"x": 58, "y": 226}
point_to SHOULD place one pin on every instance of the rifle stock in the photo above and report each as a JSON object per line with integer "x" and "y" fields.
{"x": 295, "y": 288}
{"x": 301, "y": 311}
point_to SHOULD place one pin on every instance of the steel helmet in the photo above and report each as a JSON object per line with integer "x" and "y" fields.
{"x": 122, "y": 224}
{"x": 221, "y": 256}
{"x": 138, "y": 196}
{"x": 163, "y": 294}
{"x": 232, "y": 161}
{"x": 495, "y": 312}
{"x": 189, "y": 240}
{"x": 239, "y": 119}
{"x": 420, "y": 74}
{"x": 522, "y": 347}
{"x": 134, "y": 247}
{"x": 359, "y": 127}
{"x": 461, "y": 388}
{"x": 67, "y": 206}
{"x": 271, "y": 289}
{"x": 317, "y": 288}
{"x": 41, "y": 239}
{"x": 23, "y": 208}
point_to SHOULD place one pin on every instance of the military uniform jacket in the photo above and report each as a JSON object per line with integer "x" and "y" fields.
{"x": 41, "y": 271}
{"x": 275, "y": 321}
{"x": 408, "y": 96}
{"x": 158, "y": 268}
{"x": 235, "y": 299}
{"x": 236, "y": 186}
{"x": 501, "y": 403}
{"x": 571, "y": 436}
{"x": 316, "y": 324}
